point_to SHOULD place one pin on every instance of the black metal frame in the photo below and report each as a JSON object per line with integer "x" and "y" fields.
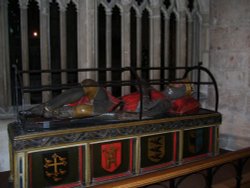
{"x": 20, "y": 88}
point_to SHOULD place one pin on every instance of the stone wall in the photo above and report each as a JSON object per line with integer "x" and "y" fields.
{"x": 230, "y": 64}
{"x": 4, "y": 145}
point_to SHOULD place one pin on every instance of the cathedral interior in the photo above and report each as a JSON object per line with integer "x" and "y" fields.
{"x": 51, "y": 41}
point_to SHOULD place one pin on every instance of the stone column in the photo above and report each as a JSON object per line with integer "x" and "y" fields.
{"x": 86, "y": 37}
{"x": 166, "y": 45}
{"x": 45, "y": 47}
{"x": 25, "y": 47}
{"x": 202, "y": 47}
{"x": 138, "y": 42}
{"x": 5, "y": 93}
{"x": 181, "y": 44}
{"x": 63, "y": 43}
{"x": 190, "y": 43}
{"x": 108, "y": 41}
{"x": 5, "y": 96}
{"x": 155, "y": 38}
{"x": 125, "y": 20}
{"x": 204, "y": 36}
{"x": 204, "y": 54}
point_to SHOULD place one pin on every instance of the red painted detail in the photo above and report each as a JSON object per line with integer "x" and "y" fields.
{"x": 111, "y": 156}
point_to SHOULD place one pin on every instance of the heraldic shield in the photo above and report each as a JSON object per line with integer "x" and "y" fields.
{"x": 111, "y": 156}
{"x": 55, "y": 167}
{"x": 156, "y": 148}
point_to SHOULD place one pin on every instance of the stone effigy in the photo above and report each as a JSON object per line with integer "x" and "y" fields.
{"x": 93, "y": 100}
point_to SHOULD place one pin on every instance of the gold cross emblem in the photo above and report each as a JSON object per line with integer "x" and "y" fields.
{"x": 53, "y": 167}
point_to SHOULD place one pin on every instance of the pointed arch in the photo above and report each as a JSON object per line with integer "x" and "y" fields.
{"x": 145, "y": 44}
{"x": 71, "y": 40}
{"x": 116, "y": 48}
{"x": 34, "y": 48}
{"x": 101, "y": 34}
{"x": 55, "y": 44}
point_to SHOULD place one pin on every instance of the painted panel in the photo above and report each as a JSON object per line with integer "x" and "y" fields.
{"x": 158, "y": 151}
{"x": 56, "y": 167}
{"x": 111, "y": 160}
{"x": 197, "y": 143}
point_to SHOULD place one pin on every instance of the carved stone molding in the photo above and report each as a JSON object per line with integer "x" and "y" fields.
{"x": 23, "y": 139}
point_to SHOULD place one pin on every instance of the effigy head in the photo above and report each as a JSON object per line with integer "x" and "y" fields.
{"x": 178, "y": 90}
{"x": 90, "y": 88}
{"x": 89, "y": 83}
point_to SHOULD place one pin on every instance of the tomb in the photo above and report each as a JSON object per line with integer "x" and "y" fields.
{"x": 71, "y": 152}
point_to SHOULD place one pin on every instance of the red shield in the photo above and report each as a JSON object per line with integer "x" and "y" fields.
{"x": 111, "y": 156}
